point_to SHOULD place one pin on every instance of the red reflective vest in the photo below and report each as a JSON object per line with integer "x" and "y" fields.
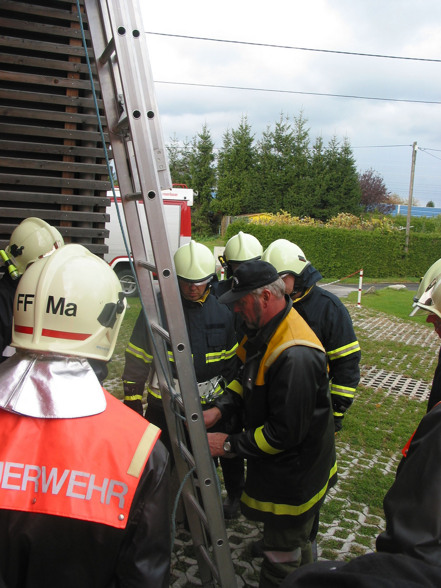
{"x": 84, "y": 468}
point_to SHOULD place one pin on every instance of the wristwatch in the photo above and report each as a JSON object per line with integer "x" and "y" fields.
{"x": 227, "y": 446}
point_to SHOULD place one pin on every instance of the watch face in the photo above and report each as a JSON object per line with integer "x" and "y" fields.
{"x": 227, "y": 446}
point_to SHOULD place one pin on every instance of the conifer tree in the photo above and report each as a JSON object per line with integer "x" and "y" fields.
{"x": 203, "y": 179}
{"x": 237, "y": 171}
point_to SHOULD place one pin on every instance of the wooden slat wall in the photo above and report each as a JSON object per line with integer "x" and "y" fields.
{"x": 51, "y": 156}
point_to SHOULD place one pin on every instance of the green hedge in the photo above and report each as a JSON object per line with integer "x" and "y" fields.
{"x": 337, "y": 253}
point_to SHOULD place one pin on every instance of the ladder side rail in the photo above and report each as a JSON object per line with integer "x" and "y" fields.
{"x": 122, "y": 149}
{"x": 181, "y": 350}
{"x": 133, "y": 11}
{"x": 184, "y": 367}
{"x": 140, "y": 131}
{"x": 101, "y": 34}
{"x": 129, "y": 183}
{"x": 129, "y": 39}
{"x": 140, "y": 124}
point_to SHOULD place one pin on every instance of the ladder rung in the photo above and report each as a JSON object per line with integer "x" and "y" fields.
{"x": 204, "y": 552}
{"x": 175, "y": 397}
{"x": 147, "y": 265}
{"x": 160, "y": 331}
{"x": 197, "y": 509}
{"x": 123, "y": 124}
{"x": 185, "y": 453}
{"x": 133, "y": 196}
{"x": 106, "y": 54}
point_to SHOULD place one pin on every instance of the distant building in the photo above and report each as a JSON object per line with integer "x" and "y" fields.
{"x": 401, "y": 209}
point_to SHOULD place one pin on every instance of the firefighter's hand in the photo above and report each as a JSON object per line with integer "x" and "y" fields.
{"x": 133, "y": 396}
{"x": 216, "y": 443}
{"x": 135, "y": 405}
{"x": 338, "y": 423}
{"x": 211, "y": 417}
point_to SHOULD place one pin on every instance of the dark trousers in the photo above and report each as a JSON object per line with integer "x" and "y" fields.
{"x": 285, "y": 550}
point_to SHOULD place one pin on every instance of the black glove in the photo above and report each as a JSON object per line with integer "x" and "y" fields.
{"x": 338, "y": 423}
{"x": 133, "y": 393}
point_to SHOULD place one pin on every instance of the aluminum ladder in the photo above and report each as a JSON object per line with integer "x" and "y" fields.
{"x": 123, "y": 67}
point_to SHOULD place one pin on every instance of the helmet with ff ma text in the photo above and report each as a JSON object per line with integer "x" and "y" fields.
{"x": 69, "y": 303}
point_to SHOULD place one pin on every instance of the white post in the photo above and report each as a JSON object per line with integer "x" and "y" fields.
{"x": 409, "y": 203}
{"x": 360, "y": 285}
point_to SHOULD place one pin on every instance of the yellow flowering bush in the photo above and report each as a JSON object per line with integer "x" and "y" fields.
{"x": 343, "y": 220}
{"x": 281, "y": 218}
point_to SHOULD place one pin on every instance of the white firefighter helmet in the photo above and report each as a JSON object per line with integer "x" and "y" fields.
{"x": 194, "y": 262}
{"x": 69, "y": 303}
{"x": 242, "y": 247}
{"x": 430, "y": 300}
{"x": 426, "y": 284}
{"x": 32, "y": 239}
{"x": 286, "y": 257}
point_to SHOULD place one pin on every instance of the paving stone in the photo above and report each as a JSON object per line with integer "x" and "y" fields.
{"x": 392, "y": 383}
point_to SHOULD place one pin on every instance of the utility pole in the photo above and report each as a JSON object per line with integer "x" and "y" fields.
{"x": 409, "y": 204}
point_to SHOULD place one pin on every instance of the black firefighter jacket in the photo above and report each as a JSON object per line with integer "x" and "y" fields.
{"x": 212, "y": 340}
{"x": 288, "y": 439}
{"x": 329, "y": 319}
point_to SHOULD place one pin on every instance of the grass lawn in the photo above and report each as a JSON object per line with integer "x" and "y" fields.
{"x": 394, "y": 302}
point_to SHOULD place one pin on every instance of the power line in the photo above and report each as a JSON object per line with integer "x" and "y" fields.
{"x": 431, "y": 154}
{"x": 378, "y": 146}
{"x": 429, "y": 149}
{"x": 219, "y": 86}
{"x": 422, "y": 149}
{"x": 357, "y": 54}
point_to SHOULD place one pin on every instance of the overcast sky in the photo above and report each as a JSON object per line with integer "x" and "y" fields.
{"x": 381, "y": 132}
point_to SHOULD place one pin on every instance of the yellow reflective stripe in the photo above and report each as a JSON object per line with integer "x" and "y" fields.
{"x": 215, "y": 357}
{"x": 233, "y": 350}
{"x": 143, "y": 450}
{"x": 209, "y": 357}
{"x": 342, "y": 391}
{"x": 288, "y": 509}
{"x": 236, "y": 387}
{"x": 171, "y": 357}
{"x": 222, "y": 355}
{"x": 154, "y": 392}
{"x": 218, "y": 391}
{"x": 263, "y": 444}
{"x": 134, "y": 397}
{"x": 139, "y": 353}
{"x": 338, "y": 414}
{"x": 344, "y": 351}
